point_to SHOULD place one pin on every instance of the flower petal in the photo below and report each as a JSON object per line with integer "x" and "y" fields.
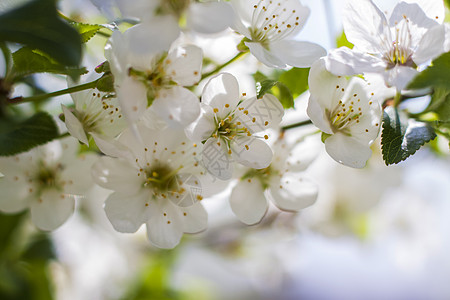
{"x": 74, "y": 126}
{"x": 252, "y": 152}
{"x": 293, "y": 192}
{"x": 209, "y": 17}
{"x": 265, "y": 56}
{"x": 177, "y": 106}
{"x": 132, "y": 97}
{"x": 128, "y": 213}
{"x": 165, "y": 224}
{"x": 118, "y": 175}
{"x": 399, "y": 76}
{"x": 204, "y": 126}
{"x": 216, "y": 160}
{"x": 259, "y": 114}
{"x": 248, "y": 202}
{"x": 365, "y": 25}
{"x": 184, "y": 64}
{"x": 51, "y": 209}
{"x": 430, "y": 46}
{"x": 195, "y": 218}
{"x": 345, "y": 61}
{"x": 348, "y": 150}
{"x": 222, "y": 92}
{"x": 433, "y": 9}
{"x": 296, "y": 53}
{"x": 15, "y": 193}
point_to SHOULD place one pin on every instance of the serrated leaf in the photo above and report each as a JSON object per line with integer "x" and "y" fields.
{"x": 37, "y": 25}
{"x": 435, "y": 76}
{"x": 87, "y": 31}
{"x": 296, "y": 80}
{"x": 28, "y": 61}
{"x": 401, "y": 137}
{"x": 35, "y": 131}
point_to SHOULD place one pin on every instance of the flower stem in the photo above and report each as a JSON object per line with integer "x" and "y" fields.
{"x": 220, "y": 67}
{"x": 85, "y": 86}
{"x": 397, "y": 99}
{"x": 295, "y": 125}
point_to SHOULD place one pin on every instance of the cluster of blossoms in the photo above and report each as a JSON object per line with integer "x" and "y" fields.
{"x": 165, "y": 145}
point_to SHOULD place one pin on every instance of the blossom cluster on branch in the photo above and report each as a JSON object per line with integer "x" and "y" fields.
{"x": 162, "y": 144}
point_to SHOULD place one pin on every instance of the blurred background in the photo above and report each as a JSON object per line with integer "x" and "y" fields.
{"x": 376, "y": 233}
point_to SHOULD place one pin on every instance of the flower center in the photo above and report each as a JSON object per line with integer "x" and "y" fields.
{"x": 160, "y": 178}
{"x": 47, "y": 177}
{"x": 263, "y": 175}
{"x": 344, "y": 115}
{"x": 228, "y": 129}
{"x": 271, "y": 21}
{"x": 399, "y": 51}
{"x": 173, "y": 7}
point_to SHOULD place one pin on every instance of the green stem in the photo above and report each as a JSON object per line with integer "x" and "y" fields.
{"x": 397, "y": 99}
{"x": 295, "y": 125}
{"x": 220, "y": 67}
{"x": 85, "y": 86}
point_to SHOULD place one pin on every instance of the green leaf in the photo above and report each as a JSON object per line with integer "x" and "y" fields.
{"x": 435, "y": 76}
{"x": 106, "y": 83}
{"x": 278, "y": 89}
{"x": 37, "y": 130}
{"x": 259, "y": 77}
{"x": 87, "y": 31}
{"x": 401, "y": 137}
{"x": 37, "y": 25}
{"x": 28, "y": 61}
{"x": 341, "y": 41}
{"x": 296, "y": 80}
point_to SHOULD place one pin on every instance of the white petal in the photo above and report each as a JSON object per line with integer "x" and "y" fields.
{"x": 184, "y": 64}
{"x": 345, "y": 61}
{"x": 399, "y": 76}
{"x": 177, "y": 106}
{"x": 265, "y": 56}
{"x": 165, "y": 224}
{"x": 222, "y": 92}
{"x": 347, "y": 150}
{"x": 118, "y": 175}
{"x": 132, "y": 97}
{"x": 128, "y": 213}
{"x": 74, "y": 126}
{"x": 365, "y": 25}
{"x": 252, "y": 152}
{"x": 209, "y": 17}
{"x": 415, "y": 14}
{"x": 248, "y": 202}
{"x": 77, "y": 175}
{"x": 434, "y": 9}
{"x": 15, "y": 193}
{"x": 318, "y": 114}
{"x": 293, "y": 192}
{"x": 110, "y": 146}
{"x": 216, "y": 159}
{"x": 296, "y": 53}
{"x": 195, "y": 218}
{"x": 152, "y": 36}
{"x": 51, "y": 209}
{"x": 259, "y": 114}
{"x": 204, "y": 126}
{"x": 431, "y": 45}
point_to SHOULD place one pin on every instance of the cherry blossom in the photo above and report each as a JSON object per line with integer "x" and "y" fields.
{"x": 281, "y": 182}
{"x": 347, "y": 114}
{"x": 270, "y": 27}
{"x": 154, "y": 77}
{"x": 46, "y": 180}
{"x": 156, "y": 181}
{"x": 96, "y": 112}
{"x": 394, "y": 47}
{"x": 228, "y": 127}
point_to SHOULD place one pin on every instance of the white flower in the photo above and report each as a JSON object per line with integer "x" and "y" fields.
{"x": 281, "y": 182}
{"x": 227, "y": 127}
{"x": 394, "y": 47}
{"x": 345, "y": 110}
{"x": 46, "y": 180}
{"x": 157, "y": 182}
{"x": 202, "y": 17}
{"x": 270, "y": 28}
{"x": 95, "y": 112}
{"x": 154, "y": 77}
